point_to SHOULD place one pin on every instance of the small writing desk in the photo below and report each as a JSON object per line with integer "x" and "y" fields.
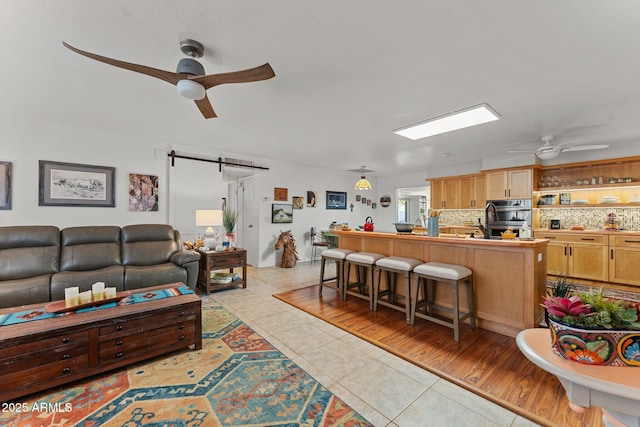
{"x": 615, "y": 389}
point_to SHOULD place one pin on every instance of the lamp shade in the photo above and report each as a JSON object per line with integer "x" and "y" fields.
{"x": 362, "y": 184}
{"x": 190, "y": 89}
{"x": 208, "y": 218}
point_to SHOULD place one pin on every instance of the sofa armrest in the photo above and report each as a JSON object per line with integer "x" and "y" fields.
{"x": 184, "y": 257}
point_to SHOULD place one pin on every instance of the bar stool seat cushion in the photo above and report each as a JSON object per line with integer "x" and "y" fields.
{"x": 364, "y": 257}
{"x": 398, "y": 263}
{"x": 336, "y": 253}
{"x": 445, "y": 271}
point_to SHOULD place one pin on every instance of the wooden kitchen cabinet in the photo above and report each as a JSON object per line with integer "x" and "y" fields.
{"x": 472, "y": 191}
{"x": 624, "y": 254}
{"x": 583, "y": 256}
{"x": 445, "y": 193}
{"x": 509, "y": 184}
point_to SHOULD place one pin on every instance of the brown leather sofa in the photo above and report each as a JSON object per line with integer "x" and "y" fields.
{"x": 38, "y": 262}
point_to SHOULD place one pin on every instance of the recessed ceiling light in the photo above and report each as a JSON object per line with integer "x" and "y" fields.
{"x": 460, "y": 119}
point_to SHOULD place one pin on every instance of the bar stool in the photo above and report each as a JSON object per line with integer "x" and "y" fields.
{"x": 338, "y": 256}
{"x": 389, "y": 267}
{"x": 364, "y": 263}
{"x": 432, "y": 272}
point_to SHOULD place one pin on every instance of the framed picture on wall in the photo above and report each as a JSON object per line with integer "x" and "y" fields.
{"x": 336, "y": 200}
{"x": 143, "y": 193}
{"x": 71, "y": 184}
{"x": 311, "y": 199}
{"x": 298, "y": 202}
{"x": 281, "y": 213}
{"x": 5, "y": 185}
{"x": 280, "y": 194}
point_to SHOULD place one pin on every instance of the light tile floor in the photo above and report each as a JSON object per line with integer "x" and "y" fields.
{"x": 385, "y": 389}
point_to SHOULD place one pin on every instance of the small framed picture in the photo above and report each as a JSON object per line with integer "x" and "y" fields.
{"x": 312, "y": 196}
{"x": 281, "y": 213}
{"x": 364, "y": 200}
{"x": 358, "y": 197}
{"x": 336, "y": 200}
{"x": 374, "y": 205}
{"x": 143, "y": 193}
{"x": 298, "y": 202}
{"x": 5, "y": 185}
{"x": 280, "y": 194}
{"x": 369, "y": 202}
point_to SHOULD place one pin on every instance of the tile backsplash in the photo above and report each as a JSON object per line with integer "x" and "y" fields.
{"x": 589, "y": 218}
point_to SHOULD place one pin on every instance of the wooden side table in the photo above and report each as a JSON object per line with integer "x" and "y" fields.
{"x": 214, "y": 260}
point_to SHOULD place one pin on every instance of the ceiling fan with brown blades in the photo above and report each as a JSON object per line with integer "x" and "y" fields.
{"x": 549, "y": 151}
{"x": 189, "y": 77}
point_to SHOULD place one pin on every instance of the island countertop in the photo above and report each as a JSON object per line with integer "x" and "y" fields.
{"x": 509, "y": 275}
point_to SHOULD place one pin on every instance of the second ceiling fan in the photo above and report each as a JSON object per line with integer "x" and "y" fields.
{"x": 189, "y": 77}
{"x": 550, "y": 151}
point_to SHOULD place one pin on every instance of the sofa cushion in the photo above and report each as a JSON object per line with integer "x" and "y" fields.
{"x": 28, "y": 251}
{"x": 111, "y": 276}
{"x": 148, "y": 244}
{"x": 89, "y": 248}
{"x": 136, "y": 277}
{"x": 25, "y": 291}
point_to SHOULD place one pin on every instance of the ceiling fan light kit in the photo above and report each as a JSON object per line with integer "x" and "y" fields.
{"x": 191, "y": 90}
{"x": 472, "y": 116}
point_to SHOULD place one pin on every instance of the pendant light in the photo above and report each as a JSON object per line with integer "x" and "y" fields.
{"x": 362, "y": 184}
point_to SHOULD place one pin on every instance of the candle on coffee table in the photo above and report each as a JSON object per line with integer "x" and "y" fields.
{"x": 110, "y": 292}
{"x": 85, "y": 297}
{"x": 97, "y": 290}
{"x": 71, "y": 296}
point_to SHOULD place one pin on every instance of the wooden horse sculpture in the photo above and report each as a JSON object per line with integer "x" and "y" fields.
{"x": 290, "y": 255}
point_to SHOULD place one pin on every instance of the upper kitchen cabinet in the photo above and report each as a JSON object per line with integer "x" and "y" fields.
{"x": 473, "y": 191}
{"x": 509, "y": 184}
{"x": 445, "y": 193}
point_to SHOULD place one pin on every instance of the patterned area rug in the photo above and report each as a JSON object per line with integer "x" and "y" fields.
{"x": 237, "y": 379}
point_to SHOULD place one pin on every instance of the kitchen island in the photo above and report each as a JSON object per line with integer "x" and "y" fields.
{"x": 509, "y": 275}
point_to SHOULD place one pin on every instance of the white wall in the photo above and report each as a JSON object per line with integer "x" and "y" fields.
{"x": 190, "y": 185}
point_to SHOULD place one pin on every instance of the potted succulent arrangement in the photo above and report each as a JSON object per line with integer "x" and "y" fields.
{"x": 590, "y": 328}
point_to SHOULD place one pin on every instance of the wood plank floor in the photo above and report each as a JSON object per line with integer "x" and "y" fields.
{"x": 484, "y": 362}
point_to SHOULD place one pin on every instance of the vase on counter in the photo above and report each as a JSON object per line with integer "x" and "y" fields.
{"x": 433, "y": 227}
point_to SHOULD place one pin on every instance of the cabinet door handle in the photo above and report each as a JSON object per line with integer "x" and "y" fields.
{"x": 119, "y": 328}
{"x": 181, "y": 338}
{"x": 181, "y": 314}
{"x": 119, "y": 342}
{"x": 611, "y": 253}
{"x": 119, "y": 354}
{"x": 631, "y": 241}
{"x": 565, "y": 251}
{"x": 570, "y": 251}
{"x": 66, "y": 356}
{"x": 181, "y": 327}
{"x": 66, "y": 370}
{"x": 587, "y": 238}
{"x": 66, "y": 340}
{"x": 549, "y": 237}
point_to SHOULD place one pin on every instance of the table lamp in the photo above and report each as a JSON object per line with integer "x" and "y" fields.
{"x": 209, "y": 219}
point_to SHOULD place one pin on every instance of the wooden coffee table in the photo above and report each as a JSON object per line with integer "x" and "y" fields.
{"x": 45, "y": 353}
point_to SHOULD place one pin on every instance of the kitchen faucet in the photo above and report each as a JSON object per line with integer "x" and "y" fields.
{"x": 485, "y": 233}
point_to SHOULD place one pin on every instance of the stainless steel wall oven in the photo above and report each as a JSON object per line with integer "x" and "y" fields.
{"x": 502, "y": 214}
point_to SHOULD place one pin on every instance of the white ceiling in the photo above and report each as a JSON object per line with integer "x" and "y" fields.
{"x": 347, "y": 74}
